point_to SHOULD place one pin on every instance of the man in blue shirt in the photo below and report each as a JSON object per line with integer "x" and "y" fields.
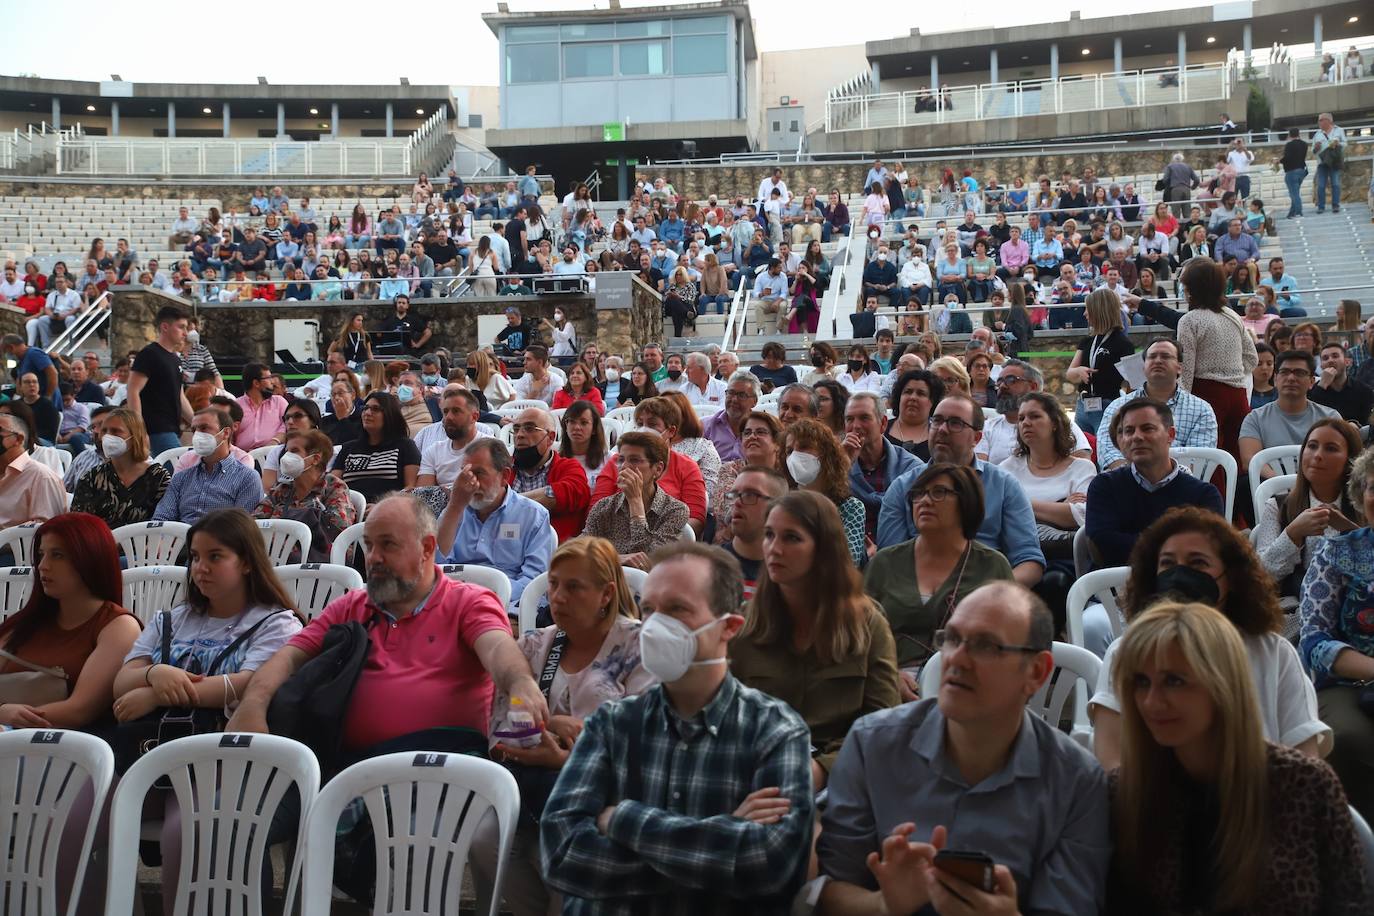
{"x": 1236, "y": 242}
{"x": 672, "y": 230}
{"x": 488, "y": 523}
{"x": 770, "y": 292}
{"x": 32, "y": 359}
{"x": 876, "y": 175}
{"x": 956, "y": 425}
{"x": 874, "y": 462}
{"x": 216, "y": 481}
{"x": 1288, "y": 301}
{"x": 529, "y": 187}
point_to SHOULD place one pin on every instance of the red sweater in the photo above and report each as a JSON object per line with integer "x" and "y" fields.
{"x": 572, "y": 496}
{"x": 682, "y": 480}
{"x": 562, "y": 399}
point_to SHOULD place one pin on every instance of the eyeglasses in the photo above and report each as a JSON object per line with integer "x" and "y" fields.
{"x": 372, "y": 408}
{"x": 980, "y": 647}
{"x": 756, "y": 433}
{"x": 953, "y": 424}
{"x": 528, "y": 428}
{"x": 1294, "y": 373}
{"x": 740, "y": 395}
{"x": 296, "y": 416}
{"x": 936, "y": 494}
{"x": 744, "y": 498}
{"x": 1005, "y": 379}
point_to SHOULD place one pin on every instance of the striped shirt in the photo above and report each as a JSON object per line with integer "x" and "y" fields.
{"x": 196, "y": 490}
{"x": 375, "y": 471}
{"x": 675, "y": 849}
{"x": 1195, "y": 424}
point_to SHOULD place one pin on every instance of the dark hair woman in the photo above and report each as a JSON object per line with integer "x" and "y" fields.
{"x": 1218, "y": 353}
{"x": 641, "y": 386}
{"x": 385, "y": 458}
{"x": 913, "y": 398}
{"x": 584, "y": 438}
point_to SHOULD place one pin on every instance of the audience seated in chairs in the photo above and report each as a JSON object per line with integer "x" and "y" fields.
{"x": 813, "y": 460}
{"x": 385, "y": 459}
{"x": 543, "y": 476}
{"x": 642, "y": 516}
{"x": 305, "y": 492}
{"x": 215, "y": 480}
{"x": 126, "y": 487}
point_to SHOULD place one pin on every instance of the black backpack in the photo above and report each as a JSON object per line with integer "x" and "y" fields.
{"x": 311, "y": 705}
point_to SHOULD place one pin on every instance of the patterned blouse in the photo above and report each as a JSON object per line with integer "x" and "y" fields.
{"x": 1337, "y": 593}
{"x": 103, "y": 494}
{"x": 664, "y": 519}
{"x": 703, "y": 452}
{"x": 326, "y": 510}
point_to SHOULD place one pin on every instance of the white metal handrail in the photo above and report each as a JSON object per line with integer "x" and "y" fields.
{"x": 81, "y": 326}
{"x": 839, "y": 280}
{"x": 1307, "y": 72}
{"x": 257, "y": 158}
{"x": 736, "y": 314}
{"x": 1089, "y": 92}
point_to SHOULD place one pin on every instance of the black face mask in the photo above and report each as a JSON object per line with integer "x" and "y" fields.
{"x": 472, "y": 372}
{"x": 1188, "y": 584}
{"x": 856, "y": 364}
{"x": 675, "y": 374}
{"x": 526, "y": 457}
{"x": 817, "y": 360}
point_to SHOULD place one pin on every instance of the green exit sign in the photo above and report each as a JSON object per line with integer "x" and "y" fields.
{"x": 611, "y": 133}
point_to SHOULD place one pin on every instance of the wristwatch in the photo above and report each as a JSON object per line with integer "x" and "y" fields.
{"x": 548, "y": 492}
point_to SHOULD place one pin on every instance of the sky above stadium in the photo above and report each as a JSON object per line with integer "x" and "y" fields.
{"x": 427, "y": 41}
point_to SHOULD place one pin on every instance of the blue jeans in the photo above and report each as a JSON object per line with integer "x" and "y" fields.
{"x": 1294, "y": 179}
{"x": 1242, "y": 186}
{"x": 1293, "y": 311}
{"x": 160, "y": 442}
{"x": 486, "y": 213}
{"x": 897, "y": 215}
{"x": 720, "y": 302}
{"x": 1087, "y": 419}
{"x": 1324, "y": 175}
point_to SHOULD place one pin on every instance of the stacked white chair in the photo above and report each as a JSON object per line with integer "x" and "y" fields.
{"x": 492, "y": 579}
{"x": 282, "y": 536}
{"x": 18, "y": 539}
{"x": 425, "y": 808}
{"x": 42, "y": 772}
{"x": 151, "y": 543}
{"x": 228, "y": 787}
{"x": 315, "y": 585}
{"x": 16, "y": 582}
{"x": 149, "y": 590}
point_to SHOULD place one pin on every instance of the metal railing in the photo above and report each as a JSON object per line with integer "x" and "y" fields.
{"x": 840, "y": 280}
{"x": 1024, "y": 98}
{"x": 1315, "y": 72}
{"x": 81, "y": 326}
{"x": 734, "y": 322}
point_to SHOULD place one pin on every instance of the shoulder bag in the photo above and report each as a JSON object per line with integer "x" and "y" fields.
{"x": 35, "y": 687}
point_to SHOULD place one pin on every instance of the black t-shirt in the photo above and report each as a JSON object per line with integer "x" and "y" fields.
{"x": 90, "y": 393}
{"x": 1294, "y": 155}
{"x": 516, "y": 339}
{"x": 412, "y": 325}
{"x": 161, "y": 397}
{"x": 376, "y": 470}
{"x": 1105, "y": 383}
{"x": 750, "y": 569}
{"x": 514, "y": 228}
{"x": 1353, "y": 402}
{"x": 442, "y": 254}
{"x": 47, "y": 417}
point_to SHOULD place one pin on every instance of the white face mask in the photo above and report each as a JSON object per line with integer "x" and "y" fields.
{"x": 113, "y": 446}
{"x": 290, "y": 466}
{"x": 612, "y": 375}
{"x": 204, "y": 444}
{"x": 804, "y": 467}
{"x": 668, "y": 650}
{"x": 193, "y": 337}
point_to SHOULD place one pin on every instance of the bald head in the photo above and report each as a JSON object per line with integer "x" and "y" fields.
{"x": 535, "y": 427}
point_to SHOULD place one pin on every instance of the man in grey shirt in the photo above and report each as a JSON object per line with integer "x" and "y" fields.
{"x": 1179, "y": 180}
{"x": 974, "y": 771}
{"x": 1286, "y": 420}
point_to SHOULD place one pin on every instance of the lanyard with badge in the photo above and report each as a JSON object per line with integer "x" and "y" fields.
{"x": 1095, "y": 349}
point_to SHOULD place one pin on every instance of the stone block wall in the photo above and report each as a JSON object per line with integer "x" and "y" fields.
{"x": 12, "y": 320}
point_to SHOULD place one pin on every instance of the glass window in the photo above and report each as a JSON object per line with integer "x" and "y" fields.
{"x": 523, "y": 33}
{"x": 714, "y": 25}
{"x": 532, "y": 63}
{"x": 579, "y": 31}
{"x": 644, "y": 58}
{"x": 588, "y": 59}
{"x": 698, "y": 54}
{"x": 645, "y": 29}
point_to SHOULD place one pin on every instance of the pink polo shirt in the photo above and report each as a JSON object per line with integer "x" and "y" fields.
{"x": 30, "y": 492}
{"x": 260, "y": 422}
{"x": 422, "y": 671}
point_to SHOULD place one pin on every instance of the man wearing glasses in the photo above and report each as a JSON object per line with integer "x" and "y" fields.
{"x": 1017, "y": 379}
{"x": 747, "y": 502}
{"x": 541, "y": 474}
{"x": 725, "y": 428}
{"x": 29, "y": 491}
{"x": 1195, "y": 423}
{"x": 956, "y": 425}
{"x": 1040, "y": 806}
{"x": 1286, "y": 420}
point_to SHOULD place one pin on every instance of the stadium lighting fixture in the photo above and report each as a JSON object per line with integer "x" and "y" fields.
{"x": 90, "y": 108}
{"x": 1087, "y": 51}
{"x": 419, "y": 111}
{"x": 1353, "y": 19}
{"x": 314, "y": 111}
{"x": 1211, "y": 39}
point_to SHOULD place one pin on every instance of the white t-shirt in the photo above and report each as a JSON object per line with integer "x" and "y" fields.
{"x": 1240, "y": 161}
{"x": 527, "y": 389}
{"x": 443, "y": 461}
{"x": 999, "y": 440}
{"x": 1073, "y": 479}
{"x": 200, "y": 637}
{"x": 714, "y": 393}
{"x": 1287, "y": 700}
{"x": 869, "y": 381}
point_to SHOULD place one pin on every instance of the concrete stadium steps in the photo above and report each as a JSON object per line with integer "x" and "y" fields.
{"x": 1329, "y": 250}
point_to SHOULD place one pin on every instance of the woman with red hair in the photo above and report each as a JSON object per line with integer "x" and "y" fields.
{"x": 72, "y": 622}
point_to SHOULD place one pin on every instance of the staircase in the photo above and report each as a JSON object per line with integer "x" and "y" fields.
{"x": 1330, "y": 250}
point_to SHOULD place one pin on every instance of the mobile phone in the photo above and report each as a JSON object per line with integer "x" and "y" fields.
{"x": 974, "y": 868}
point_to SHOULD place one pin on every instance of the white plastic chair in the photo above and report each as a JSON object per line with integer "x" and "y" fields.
{"x": 228, "y": 786}
{"x": 151, "y": 543}
{"x": 625, "y": 415}
{"x": 1082, "y": 552}
{"x": 610, "y": 431}
{"x": 260, "y": 454}
{"x": 149, "y": 590}
{"x": 491, "y": 579}
{"x": 171, "y": 455}
{"x": 64, "y": 458}
{"x": 42, "y": 771}
{"x": 314, "y": 585}
{"x": 507, "y": 437}
{"x": 343, "y": 545}
{"x": 425, "y": 808}
{"x": 1203, "y": 462}
{"x": 1082, "y": 669}
{"x": 1282, "y": 458}
{"x": 538, "y": 587}
{"x": 359, "y": 502}
{"x": 520, "y": 404}
{"x": 282, "y": 536}
{"x": 16, "y": 582}
{"x": 707, "y": 410}
{"x": 1103, "y": 585}
{"x": 687, "y": 534}
{"x": 19, "y": 540}
{"x": 1366, "y": 845}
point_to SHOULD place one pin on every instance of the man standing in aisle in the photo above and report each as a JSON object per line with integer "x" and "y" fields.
{"x": 155, "y": 392}
{"x": 1328, "y": 145}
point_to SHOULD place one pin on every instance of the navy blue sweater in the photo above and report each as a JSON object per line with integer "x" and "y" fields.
{"x": 1119, "y": 509}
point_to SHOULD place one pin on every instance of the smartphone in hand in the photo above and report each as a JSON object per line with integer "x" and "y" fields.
{"x": 973, "y": 868}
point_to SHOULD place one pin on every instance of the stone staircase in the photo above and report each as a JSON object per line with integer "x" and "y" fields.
{"x": 1330, "y": 250}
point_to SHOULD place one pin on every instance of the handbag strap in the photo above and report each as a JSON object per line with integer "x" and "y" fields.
{"x": 166, "y": 637}
{"x": 55, "y": 672}
{"x": 560, "y": 640}
{"x": 244, "y": 637}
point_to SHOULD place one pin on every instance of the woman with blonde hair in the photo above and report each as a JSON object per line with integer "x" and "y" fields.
{"x": 951, "y": 372}
{"x": 811, "y": 637}
{"x": 1093, "y": 366}
{"x": 814, "y": 461}
{"x": 374, "y": 370}
{"x": 592, "y": 644}
{"x": 680, "y": 300}
{"x": 486, "y": 378}
{"x": 127, "y": 486}
{"x": 353, "y": 341}
{"x": 1208, "y": 816}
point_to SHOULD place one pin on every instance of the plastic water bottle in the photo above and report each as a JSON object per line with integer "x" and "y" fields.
{"x": 520, "y": 728}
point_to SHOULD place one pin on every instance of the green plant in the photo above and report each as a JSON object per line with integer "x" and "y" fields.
{"x": 1258, "y": 114}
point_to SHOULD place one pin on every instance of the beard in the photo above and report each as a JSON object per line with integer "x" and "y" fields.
{"x": 1006, "y": 403}
{"x": 385, "y": 587}
{"x": 457, "y": 434}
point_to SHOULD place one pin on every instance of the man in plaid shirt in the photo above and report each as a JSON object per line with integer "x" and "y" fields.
{"x": 694, "y": 797}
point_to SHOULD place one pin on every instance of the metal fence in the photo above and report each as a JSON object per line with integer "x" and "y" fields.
{"x": 1024, "y": 98}
{"x": 1333, "y": 68}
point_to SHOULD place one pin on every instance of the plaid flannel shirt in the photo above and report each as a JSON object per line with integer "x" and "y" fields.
{"x": 1195, "y": 424}
{"x": 678, "y": 849}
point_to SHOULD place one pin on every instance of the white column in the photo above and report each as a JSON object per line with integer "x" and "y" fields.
{"x": 114, "y": 118}
{"x": 992, "y": 66}
{"x": 934, "y": 72}
{"x": 334, "y": 120}
{"x": 1116, "y": 54}
{"x": 56, "y": 113}
{"x": 281, "y": 119}
{"x": 1317, "y": 33}
{"x": 389, "y": 122}
{"x": 224, "y": 115}
{"x": 171, "y": 119}
{"x": 1246, "y": 41}
{"x": 1182, "y": 51}
{"x": 1054, "y": 61}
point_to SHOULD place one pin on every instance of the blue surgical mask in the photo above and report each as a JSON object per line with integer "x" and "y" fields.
{"x": 430, "y": 379}
{"x": 405, "y": 394}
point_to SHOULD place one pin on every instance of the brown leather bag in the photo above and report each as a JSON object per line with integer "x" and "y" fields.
{"x": 37, "y": 686}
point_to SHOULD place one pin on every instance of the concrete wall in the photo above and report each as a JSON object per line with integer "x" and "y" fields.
{"x": 807, "y": 75}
